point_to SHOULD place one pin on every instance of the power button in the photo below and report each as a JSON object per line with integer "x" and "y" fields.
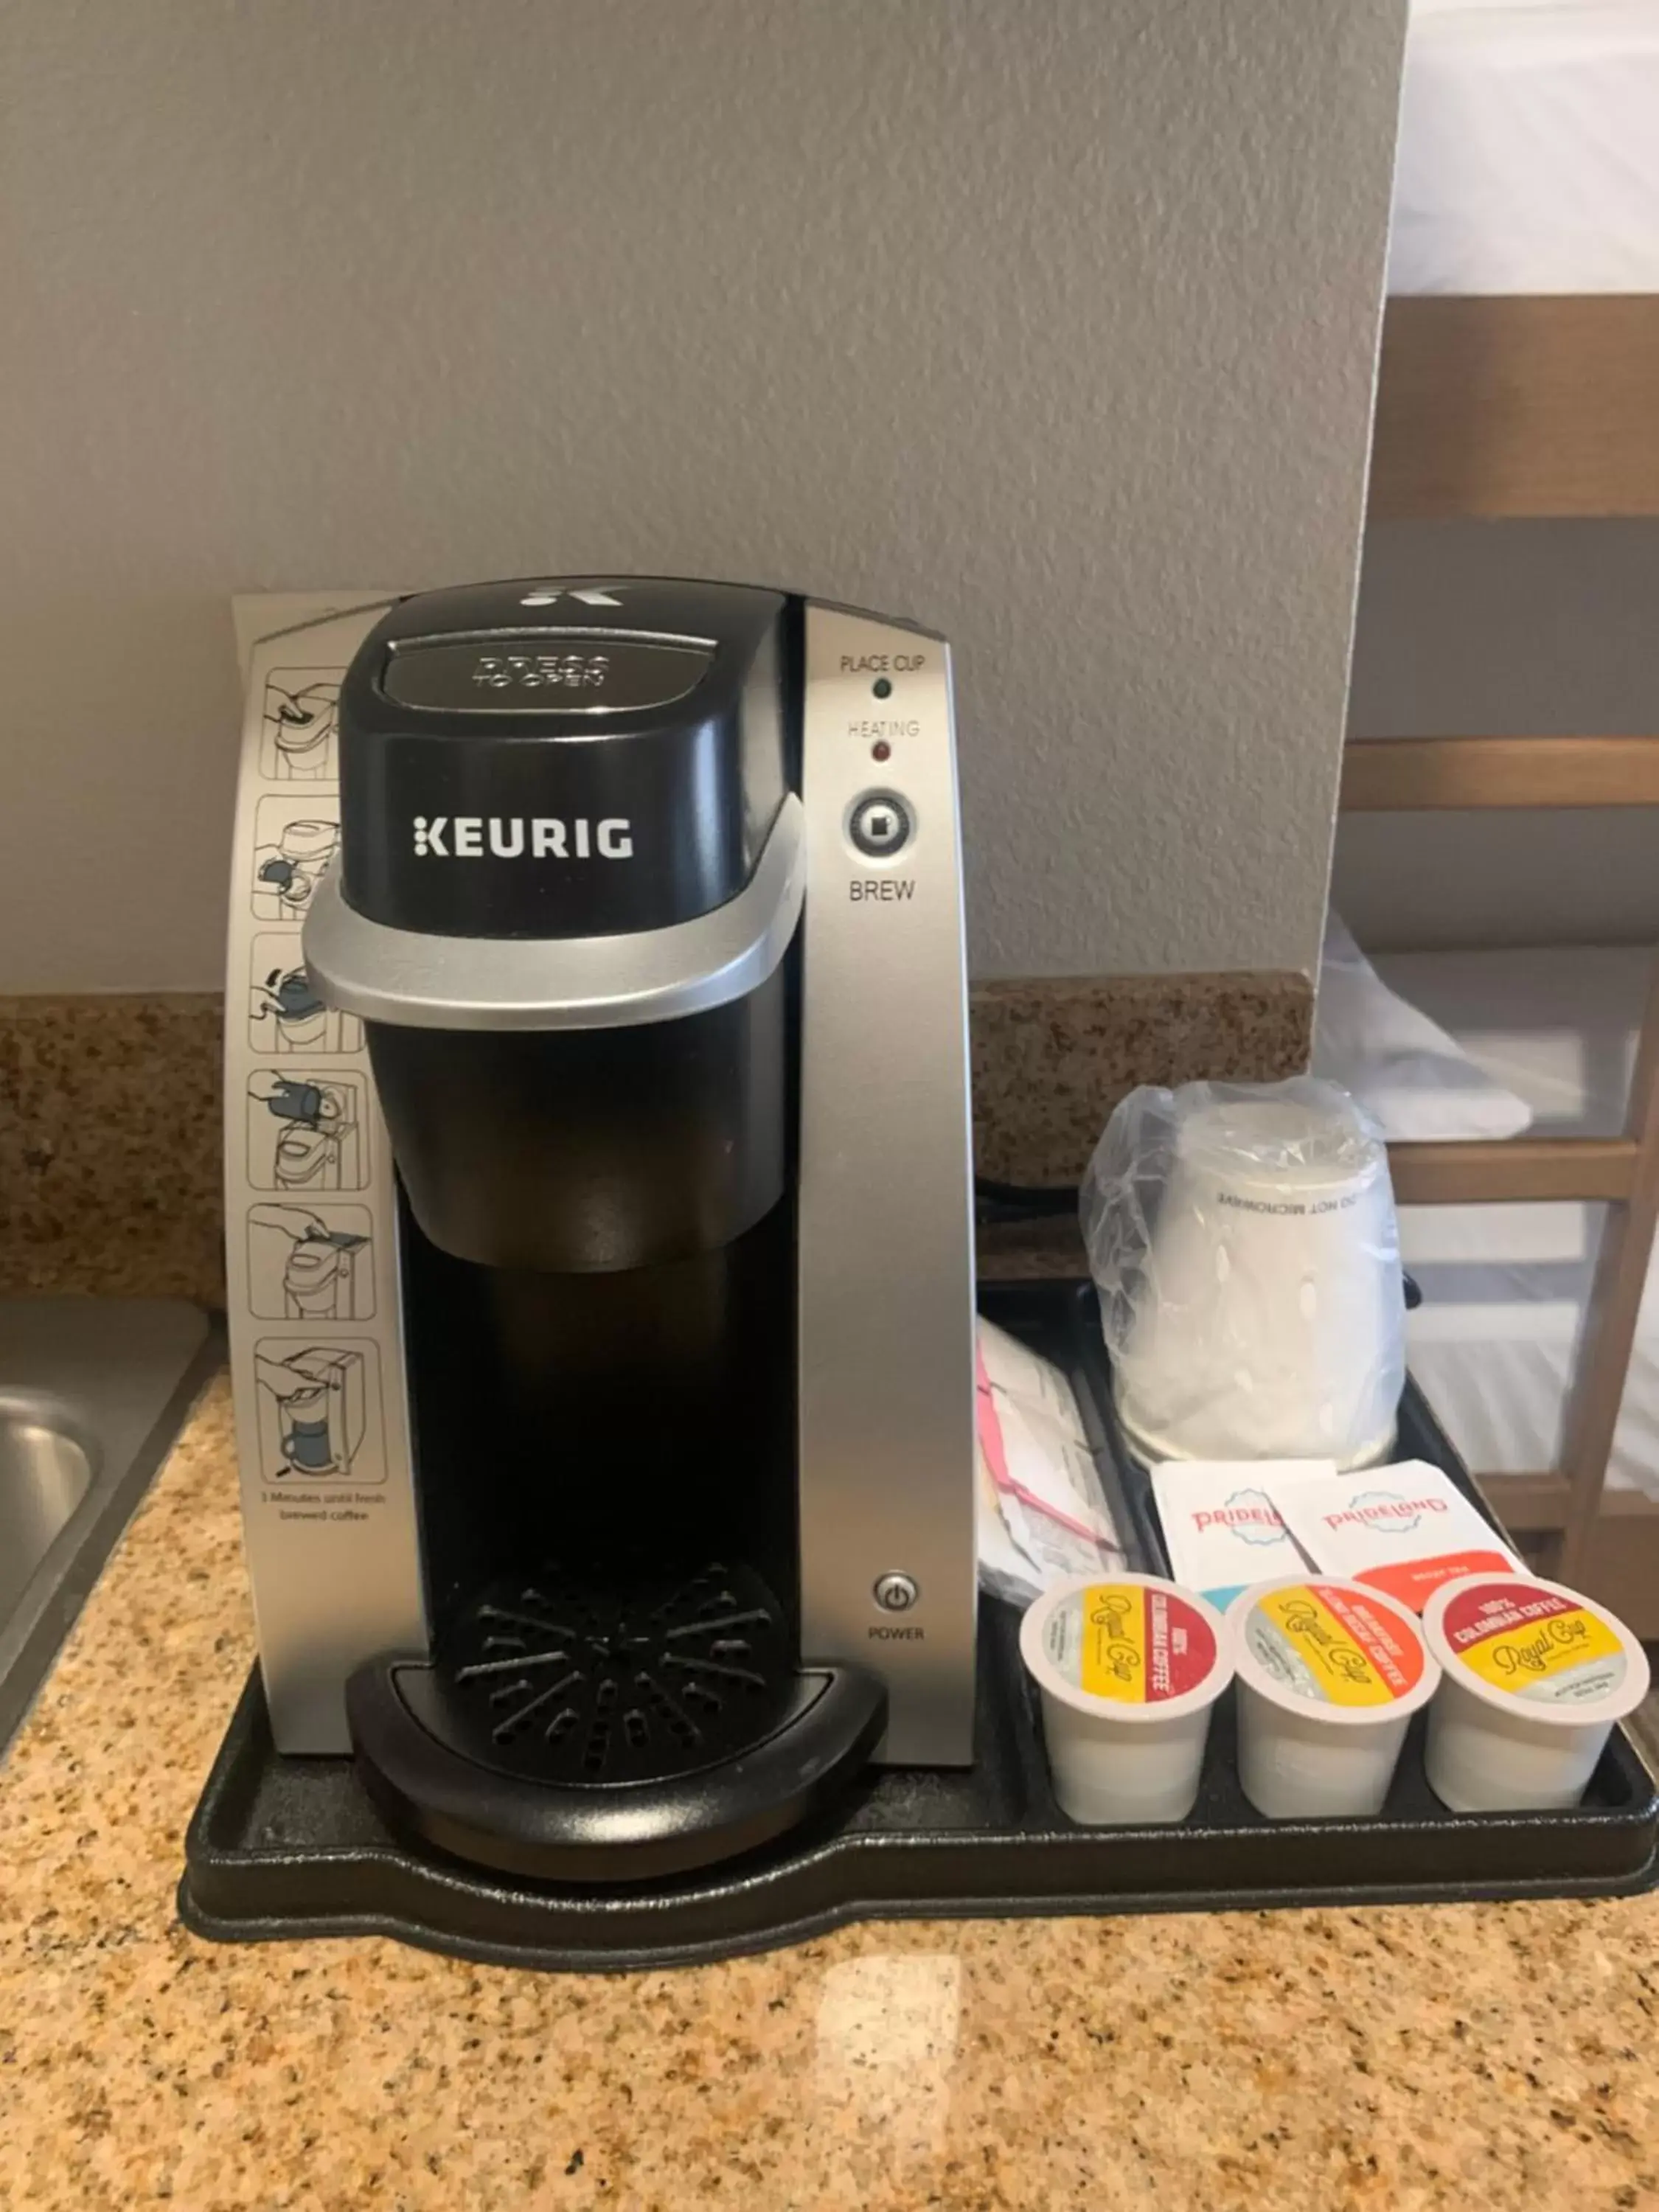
{"x": 896, "y": 1593}
{"x": 880, "y": 824}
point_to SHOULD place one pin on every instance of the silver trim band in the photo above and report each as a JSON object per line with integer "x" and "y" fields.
{"x": 603, "y": 632}
{"x": 413, "y": 980}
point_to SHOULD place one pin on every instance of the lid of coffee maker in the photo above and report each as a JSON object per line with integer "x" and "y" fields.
{"x": 598, "y": 766}
{"x": 526, "y": 760}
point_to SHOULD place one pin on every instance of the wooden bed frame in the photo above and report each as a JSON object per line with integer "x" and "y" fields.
{"x": 1538, "y": 408}
{"x": 1507, "y": 407}
{"x": 1517, "y": 407}
{"x": 1608, "y": 1544}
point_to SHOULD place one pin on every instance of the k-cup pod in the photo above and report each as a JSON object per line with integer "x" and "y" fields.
{"x": 1129, "y": 1668}
{"x": 1533, "y": 1679}
{"x": 1329, "y": 1675}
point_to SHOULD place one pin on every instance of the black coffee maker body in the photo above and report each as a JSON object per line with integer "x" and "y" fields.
{"x": 648, "y": 903}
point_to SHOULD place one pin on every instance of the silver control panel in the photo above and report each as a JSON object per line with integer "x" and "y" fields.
{"x": 886, "y": 1238}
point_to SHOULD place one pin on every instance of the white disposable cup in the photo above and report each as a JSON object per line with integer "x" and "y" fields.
{"x": 1329, "y": 1675}
{"x": 1131, "y": 1753}
{"x": 1575, "y": 1667}
{"x": 1271, "y": 1325}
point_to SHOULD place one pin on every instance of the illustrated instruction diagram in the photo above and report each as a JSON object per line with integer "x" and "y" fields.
{"x": 318, "y": 1410}
{"x": 292, "y": 845}
{"x": 306, "y": 1132}
{"x": 298, "y": 730}
{"x": 285, "y": 1014}
{"x": 310, "y": 1262}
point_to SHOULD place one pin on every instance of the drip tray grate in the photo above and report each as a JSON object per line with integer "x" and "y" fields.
{"x": 571, "y": 1679}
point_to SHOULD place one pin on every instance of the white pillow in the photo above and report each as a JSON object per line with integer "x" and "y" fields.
{"x": 1417, "y": 1081}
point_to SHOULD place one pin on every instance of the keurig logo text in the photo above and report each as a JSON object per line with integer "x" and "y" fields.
{"x": 544, "y": 837}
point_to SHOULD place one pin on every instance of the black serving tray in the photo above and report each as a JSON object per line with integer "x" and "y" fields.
{"x": 290, "y": 1847}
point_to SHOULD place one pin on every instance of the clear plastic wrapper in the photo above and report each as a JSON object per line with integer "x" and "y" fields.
{"x": 1242, "y": 1239}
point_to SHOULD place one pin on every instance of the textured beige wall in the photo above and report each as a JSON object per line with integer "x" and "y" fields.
{"x": 1051, "y": 325}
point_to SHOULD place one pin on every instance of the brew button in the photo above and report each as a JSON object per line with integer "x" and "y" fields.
{"x": 896, "y": 1593}
{"x": 881, "y": 825}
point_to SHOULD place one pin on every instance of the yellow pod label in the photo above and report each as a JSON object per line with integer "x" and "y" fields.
{"x": 1534, "y": 1644}
{"x": 1333, "y": 1646}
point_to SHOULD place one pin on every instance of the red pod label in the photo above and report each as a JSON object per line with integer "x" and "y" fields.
{"x": 1132, "y": 1646}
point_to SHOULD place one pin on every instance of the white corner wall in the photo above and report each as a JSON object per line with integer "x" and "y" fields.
{"x": 1051, "y": 326}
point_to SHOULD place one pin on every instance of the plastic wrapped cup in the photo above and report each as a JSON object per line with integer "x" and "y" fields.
{"x": 1533, "y": 1678}
{"x": 1128, "y": 1669}
{"x": 1329, "y": 1675}
{"x": 1244, "y": 1243}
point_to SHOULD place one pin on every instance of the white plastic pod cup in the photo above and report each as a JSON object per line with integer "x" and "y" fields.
{"x": 1129, "y": 1668}
{"x": 1329, "y": 1673}
{"x": 1533, "y": 1678}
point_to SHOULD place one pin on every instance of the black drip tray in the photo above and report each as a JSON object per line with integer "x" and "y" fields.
{"x": 293, "y": 1847}
{"x": 578, "y": 1680}
{"x": 600, "y": 1727}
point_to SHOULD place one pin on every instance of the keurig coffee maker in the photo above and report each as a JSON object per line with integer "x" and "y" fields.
{"x": 647, "y": 1519}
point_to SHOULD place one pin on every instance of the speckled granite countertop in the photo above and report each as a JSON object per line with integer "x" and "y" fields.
{"x": 1390, "y": 2059}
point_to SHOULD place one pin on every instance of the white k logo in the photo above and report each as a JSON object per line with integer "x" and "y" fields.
{"x": 589, "y": 594}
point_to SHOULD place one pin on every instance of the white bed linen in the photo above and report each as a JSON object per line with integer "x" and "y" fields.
{"x": 1505, "y": 1286}
{"x": 1411, "y": 1076}
{"x": 1528, "y": 155}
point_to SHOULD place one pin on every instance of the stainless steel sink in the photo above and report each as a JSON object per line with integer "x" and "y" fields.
{"x": 93, "y": 1393}
{"x": 45, "y": 1470}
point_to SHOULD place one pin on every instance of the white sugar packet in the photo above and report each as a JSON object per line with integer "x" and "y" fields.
{"x": 1222, "y": 1524}
{"x": 1405, "y": 1529}
{"x": 1041, "y": 1513}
